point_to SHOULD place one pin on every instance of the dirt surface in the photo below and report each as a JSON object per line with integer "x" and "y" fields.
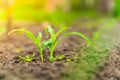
{"x": 12, "y": 68}
{"x": 110, "y": 70}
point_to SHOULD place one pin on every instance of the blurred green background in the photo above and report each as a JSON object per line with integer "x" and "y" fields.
{"x": 55, "y": 11}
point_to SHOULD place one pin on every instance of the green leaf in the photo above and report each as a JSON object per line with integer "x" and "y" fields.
{"x": 72, "y": 33}
{"x": 31, "y": 36}
{"x": 27, "y": 58}
{"x": 28, "y": 33}
{"x": 56, "y": 43}
{"x": 58, "y": 57}
{"x": 51, "y": 31}
{"x": 52, "y": 34}
{"x": 78, "y": 34}
{"x": 39, "y": 37}
{"x": 45, "y": 43}
{"x": 60, "y": 31}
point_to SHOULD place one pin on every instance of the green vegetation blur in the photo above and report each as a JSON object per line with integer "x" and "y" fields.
{"x": 117, "y": 8}
{"x": 55, "y": 11}
{"x": 39, "y": 10}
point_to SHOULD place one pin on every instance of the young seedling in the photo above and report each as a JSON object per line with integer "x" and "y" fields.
{"x": 53, "y": 41}
{"x": 36, "y": 40}
{"x": 27, "y": 58}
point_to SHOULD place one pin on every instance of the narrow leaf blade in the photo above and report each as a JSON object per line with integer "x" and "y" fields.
{"x": 78, "y": 34}
{"x": 28, "y": 33}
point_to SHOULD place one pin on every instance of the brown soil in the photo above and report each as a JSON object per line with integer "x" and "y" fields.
{"x": 12, "y": 68}
{"x": 110, "y": 70}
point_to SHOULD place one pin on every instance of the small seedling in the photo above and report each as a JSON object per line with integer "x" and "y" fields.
{"x": 51, "y": 43}
{"x": 27, "y": 58}
{"x": 36, "y": 40}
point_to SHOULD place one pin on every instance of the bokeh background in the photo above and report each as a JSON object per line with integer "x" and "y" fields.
{"x": 55, "y": 12}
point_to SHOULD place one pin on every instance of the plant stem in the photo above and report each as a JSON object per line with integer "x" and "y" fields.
{"x": 41, "y": 57}
{"x": 41, "y": 54}
{"x": 51, "y": 56}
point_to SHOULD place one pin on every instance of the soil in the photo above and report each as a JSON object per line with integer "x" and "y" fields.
{"x": 12, "y": 68}
{"x": 110, "y": 70}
